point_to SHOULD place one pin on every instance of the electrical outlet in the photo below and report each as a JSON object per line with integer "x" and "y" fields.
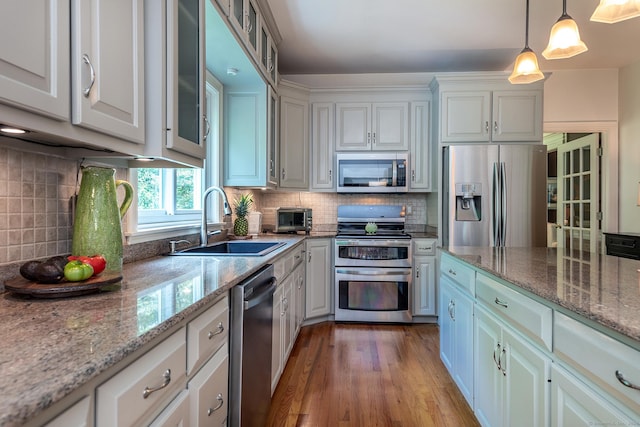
{"x": 409, "y": 210}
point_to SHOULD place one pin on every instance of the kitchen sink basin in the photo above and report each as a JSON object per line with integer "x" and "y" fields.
{"x": 234, "y": 248}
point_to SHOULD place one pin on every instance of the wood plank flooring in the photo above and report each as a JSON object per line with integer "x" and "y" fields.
{"x": 368, "y": 375}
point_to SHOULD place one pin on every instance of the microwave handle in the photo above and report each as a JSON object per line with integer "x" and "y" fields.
{"x": 394, "y": 178}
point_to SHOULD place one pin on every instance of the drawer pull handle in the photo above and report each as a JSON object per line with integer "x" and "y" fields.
{"x": 452, "y": 310}
{"x": 92, "y": 75}
{"x": 625, "y": 382}
{"x": 217, "y": 331}
{"x": 503, "y": 363}
{"x": 501, "y": 303}
{"x": 497, "y": 360}
{"x": 221, "y": 402}
{"x": 167, "y": 379}
{"x": 452, "y": 272}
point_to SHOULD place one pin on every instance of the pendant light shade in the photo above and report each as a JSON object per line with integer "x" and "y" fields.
{"x": 564, "y": 41}
{"x": 525, "y": 69}
{"x": 612, "y": 11}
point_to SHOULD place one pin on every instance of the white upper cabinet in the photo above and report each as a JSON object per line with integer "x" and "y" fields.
{"x": 107, "y": 61}
{"x": 185, "y": 77}
{"x": 489, "y": 109}
{"x": 250, "y": 141}
{"x": 420, "y": 162}
{"x": 294, "y": 143}
{"x": 268, "y": 54}
{"x": 322, "y": 146}
{"x": 245, "y": 19}
{"x": 377, "y": 126}
{"x": 34, "y": 73}
{"x": 175, "y": 87}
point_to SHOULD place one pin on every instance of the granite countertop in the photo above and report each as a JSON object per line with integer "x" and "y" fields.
{"x": 51, "y": 347}
{"x": 604, "y": 289}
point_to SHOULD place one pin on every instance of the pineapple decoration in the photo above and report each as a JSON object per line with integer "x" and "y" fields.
{"x": 241, "y": 224}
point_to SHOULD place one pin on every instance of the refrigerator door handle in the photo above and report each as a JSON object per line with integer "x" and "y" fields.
{"x": 495, "y": 200}
{"x": 503, "y": 210}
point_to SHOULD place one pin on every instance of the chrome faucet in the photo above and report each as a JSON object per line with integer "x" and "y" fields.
{"x": 204, "y": 235}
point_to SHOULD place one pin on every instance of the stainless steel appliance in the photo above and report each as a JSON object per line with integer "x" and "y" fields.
{"x": 383, "y": 172}
{"x": 292, "y": 220}
{"x": 372, "y": 264}
{"x": 494, "y": 195}
{"x": 250, "y": 341}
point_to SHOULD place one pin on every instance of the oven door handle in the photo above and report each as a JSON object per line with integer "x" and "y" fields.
{"x": 369, "y": 272}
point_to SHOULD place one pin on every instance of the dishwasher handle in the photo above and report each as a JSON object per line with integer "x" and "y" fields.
{"x": 262, "y": 296}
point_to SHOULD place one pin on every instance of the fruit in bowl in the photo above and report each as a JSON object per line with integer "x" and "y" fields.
{"x": 58, "y": 268}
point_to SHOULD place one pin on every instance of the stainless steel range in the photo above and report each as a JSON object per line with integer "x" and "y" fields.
{"x": 372, "y": 264}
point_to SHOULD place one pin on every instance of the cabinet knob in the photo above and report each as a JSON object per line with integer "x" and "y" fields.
{"x": 495, "y": 126}
{"x": 486, "y": 126}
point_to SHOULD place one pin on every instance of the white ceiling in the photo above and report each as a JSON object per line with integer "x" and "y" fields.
{"x": 395, "y": 36}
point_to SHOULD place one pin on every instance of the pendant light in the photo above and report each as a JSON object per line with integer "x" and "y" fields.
{"x": 612, "y": 11}
{"x": 564, "y": 41}
{"x": 525, "y": 69}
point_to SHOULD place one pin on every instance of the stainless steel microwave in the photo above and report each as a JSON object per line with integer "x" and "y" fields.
{"x": 292, "y": 220}
{"x": 372, "y": 172}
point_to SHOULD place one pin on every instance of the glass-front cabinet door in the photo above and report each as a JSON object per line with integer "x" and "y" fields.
{"x": 185, "y": 77}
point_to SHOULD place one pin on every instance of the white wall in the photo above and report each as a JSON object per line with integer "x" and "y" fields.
{"x": 581, "y": 96}
{"x": 629, "y": 128}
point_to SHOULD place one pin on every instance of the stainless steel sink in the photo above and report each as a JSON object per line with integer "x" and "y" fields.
{"x": 233, "y": 248}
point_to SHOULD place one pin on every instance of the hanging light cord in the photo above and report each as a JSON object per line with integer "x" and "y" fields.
{"x": 526, "y": 28}
{"x": 564, "y": 11}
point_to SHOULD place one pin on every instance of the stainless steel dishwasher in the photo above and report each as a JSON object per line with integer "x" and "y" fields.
{"x": 250, "y": 340}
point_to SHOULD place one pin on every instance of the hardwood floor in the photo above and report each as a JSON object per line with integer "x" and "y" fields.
{"x": 368, "y": 375}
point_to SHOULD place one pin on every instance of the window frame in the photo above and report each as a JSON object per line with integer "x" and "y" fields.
{"x": 169, "y": 223}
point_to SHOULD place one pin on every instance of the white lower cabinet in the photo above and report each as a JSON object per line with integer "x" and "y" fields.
{"x": 319, "y": 278}
{"x": 176, "y": 414}
{"x": 145, "y": 386}
{"x": 288, "y": 310}
{"x": 208, "y": 391}
{"x": 511, "y": 376}
{"x": 75, "y": 416}
{"x": 573, "y": 403}
{"x": 299, "y": 294}
{"x": 283, "y": 328}
{"x": 276, "y": 338}
{"x": 456, "y": 336}
{"x": 424, "y": 287}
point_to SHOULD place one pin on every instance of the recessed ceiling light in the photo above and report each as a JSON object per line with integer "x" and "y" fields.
{"x": 13, "y": 131}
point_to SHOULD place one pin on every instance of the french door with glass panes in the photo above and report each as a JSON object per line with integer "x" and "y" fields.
{"x": 579, "y": 193}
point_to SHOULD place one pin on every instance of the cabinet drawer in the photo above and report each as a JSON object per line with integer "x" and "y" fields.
{"x": 424, "y": 246}
{"x": 208, "y": 391}
{"x": 121, "y": 400}
{"x": 459, "y": 272}
{"x": 206, "y": 334}
{"x": 77, "y": 415}
{"x": 526, "y": 315}
{"x": 598, "y": 357}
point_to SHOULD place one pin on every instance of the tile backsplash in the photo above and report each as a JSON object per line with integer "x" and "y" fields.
{"x": 423, "y": 207}
{"x": 35, "y": 205}
{"x": 36, "y": 193}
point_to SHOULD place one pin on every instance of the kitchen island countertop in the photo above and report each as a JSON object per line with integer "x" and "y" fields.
{"x": 51, "y": 347}
{"x": 601, "y": 288}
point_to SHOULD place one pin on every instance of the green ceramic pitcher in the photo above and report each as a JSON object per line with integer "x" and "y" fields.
{"x": 97, "y": 227}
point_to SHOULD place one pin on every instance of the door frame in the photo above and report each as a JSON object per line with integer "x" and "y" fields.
{"x": 609, "y": 165}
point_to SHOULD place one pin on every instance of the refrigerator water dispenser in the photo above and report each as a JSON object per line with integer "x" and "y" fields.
{"x": 468, "y": 201}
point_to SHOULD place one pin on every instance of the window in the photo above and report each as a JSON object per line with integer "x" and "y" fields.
{"x": 168, "y": 197}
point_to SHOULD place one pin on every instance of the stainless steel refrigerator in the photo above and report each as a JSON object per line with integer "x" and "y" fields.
{"x": 494, "y": 195}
